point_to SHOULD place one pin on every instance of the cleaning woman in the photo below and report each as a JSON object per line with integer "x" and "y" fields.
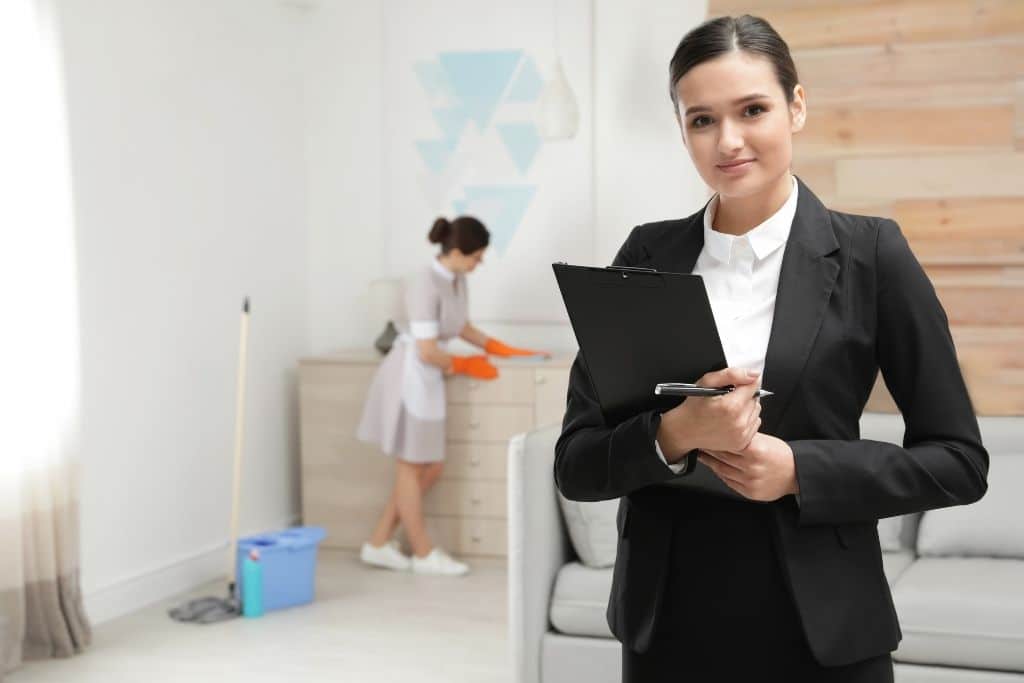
{"x": 405, "y": 408}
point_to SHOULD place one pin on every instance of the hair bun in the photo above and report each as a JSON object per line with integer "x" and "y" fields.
{"x": 439, "y": 231}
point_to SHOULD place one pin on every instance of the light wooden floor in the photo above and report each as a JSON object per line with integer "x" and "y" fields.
{"x": 366, "y": 625}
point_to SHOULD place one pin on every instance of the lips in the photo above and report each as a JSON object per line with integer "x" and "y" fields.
{"x": 734, "y": 164}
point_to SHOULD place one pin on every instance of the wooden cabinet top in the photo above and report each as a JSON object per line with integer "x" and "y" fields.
{"x": 560, "y": 359}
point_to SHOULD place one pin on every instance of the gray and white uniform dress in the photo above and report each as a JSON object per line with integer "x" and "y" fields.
{"x": 404, "y": 413}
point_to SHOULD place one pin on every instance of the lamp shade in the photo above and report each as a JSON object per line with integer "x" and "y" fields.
{"x": 559, "y": 114}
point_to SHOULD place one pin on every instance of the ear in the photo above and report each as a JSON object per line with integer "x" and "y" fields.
{"x": 798, "y": 109}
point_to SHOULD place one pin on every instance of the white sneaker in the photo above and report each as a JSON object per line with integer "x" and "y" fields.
{"x": 438, "y": 561}
{"x": 387, "y": 555}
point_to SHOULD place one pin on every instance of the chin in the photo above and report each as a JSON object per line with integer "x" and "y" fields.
{"x": 747, "y": 184}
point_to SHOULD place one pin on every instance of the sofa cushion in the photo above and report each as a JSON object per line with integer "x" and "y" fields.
{"x": 895, "y": 563}
{"x": 580, "y": 600}
{"x": 592, "y": 529}
{"x": 889, "y": 533}
{"x": 898, "y": 533}
{"x": 991, "y": 527}
{"x": 966, "y": 612}
{"x": 920, "y": 673}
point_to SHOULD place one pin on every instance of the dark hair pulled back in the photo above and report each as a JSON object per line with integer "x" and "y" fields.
{"x": 716, "y": 37}
{"x": 465, "y": 233}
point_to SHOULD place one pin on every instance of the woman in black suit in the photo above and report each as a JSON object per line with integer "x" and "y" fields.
{"x": 748, "y": 545}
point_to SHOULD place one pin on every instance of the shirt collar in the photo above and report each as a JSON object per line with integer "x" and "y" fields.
{"x": 764, "y": 239}
{"x": 442, "y": 271}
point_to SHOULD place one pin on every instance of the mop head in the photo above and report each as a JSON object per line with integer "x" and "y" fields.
{"x": 207, "y": 610}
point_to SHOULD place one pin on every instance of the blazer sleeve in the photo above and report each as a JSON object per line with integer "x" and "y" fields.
{"x": 942, "y": 461}
{"x": 595, "y": 461}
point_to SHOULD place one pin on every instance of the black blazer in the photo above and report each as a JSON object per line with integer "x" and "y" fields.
{"x": 852, "y": 298}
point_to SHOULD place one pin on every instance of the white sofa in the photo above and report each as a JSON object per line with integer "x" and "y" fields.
{"x": 957, "y": 574}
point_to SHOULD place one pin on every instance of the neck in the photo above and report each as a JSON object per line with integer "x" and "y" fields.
{"x": 739, "y": 215}
{"x": 446, "y": 262}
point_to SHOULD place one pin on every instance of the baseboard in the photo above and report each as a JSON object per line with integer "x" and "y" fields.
{"x": 133, "y": 593}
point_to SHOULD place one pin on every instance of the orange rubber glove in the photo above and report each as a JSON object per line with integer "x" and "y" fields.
{"x": 500, "y": 349}
{"x": 474, "y": 366}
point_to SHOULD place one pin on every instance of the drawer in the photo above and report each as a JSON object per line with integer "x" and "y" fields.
{"x": 366, "y": 484}
{"x": 467, "y": 498}
{"x": 479, "y": 422}
{"x": 513, "y": 385}
{"x": 346, "y": 528}
{"x": 319, "y": 447}
{"x": 347, "y": 383}
{"x": 550, "y": 388}
{"x": 469, "y": 536}
{"x": 346, "y": 497}
{"x": 340, "y": 418}
{"x": 469, "y": 460}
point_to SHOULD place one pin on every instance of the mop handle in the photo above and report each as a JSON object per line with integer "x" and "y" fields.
{"x": 239, "y": 438}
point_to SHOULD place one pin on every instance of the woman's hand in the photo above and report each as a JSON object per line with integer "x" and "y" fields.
{"x": 727, "y": 422}
{"x": 499, "y": 348}
{"x": 475, "y": 366}
{"x": 763, "y": 471}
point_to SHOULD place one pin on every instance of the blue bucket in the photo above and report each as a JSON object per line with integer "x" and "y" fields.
{"x": 288, "y": 560}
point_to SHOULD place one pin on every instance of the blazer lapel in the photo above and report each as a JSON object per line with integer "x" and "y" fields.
{"x": 810, "y": 265}
{"x": 678, "y": 250}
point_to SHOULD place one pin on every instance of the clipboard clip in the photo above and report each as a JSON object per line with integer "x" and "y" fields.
{"x": 626, "y": 270}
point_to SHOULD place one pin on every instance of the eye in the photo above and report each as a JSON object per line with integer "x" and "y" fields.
{"x": 694, "y": 123}
{"x": 756, "y": 106}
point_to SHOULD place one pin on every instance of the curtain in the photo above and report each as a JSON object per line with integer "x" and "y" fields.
{"x": 41, "y": 611}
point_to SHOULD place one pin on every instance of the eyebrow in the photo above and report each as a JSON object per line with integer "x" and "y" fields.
{"x": 700, "y": 107}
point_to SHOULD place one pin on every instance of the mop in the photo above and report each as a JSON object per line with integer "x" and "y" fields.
{"x": 210, "y": 609}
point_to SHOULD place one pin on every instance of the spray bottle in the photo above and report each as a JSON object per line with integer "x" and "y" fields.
{"x": 252, "y": 585}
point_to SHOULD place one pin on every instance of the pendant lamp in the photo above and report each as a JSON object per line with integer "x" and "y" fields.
{"x": 559, "y": 113}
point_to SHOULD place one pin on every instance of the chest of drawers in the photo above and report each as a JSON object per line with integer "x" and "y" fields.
{"x": 346, "y": 483}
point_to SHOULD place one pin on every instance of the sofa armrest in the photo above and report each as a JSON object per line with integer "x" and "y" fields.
{"x": 538, "y": 546}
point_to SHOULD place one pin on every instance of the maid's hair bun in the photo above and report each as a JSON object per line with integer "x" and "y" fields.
{"x": 440, "y": 230}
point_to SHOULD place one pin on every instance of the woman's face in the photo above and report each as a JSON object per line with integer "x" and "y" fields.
{"x": 465, "y": 263}
{"x": 717, "y": 127}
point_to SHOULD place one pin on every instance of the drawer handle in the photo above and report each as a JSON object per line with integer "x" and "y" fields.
{"x": 476, "y": 500}
{"x": 542, "y": 380}
{"x": 475, "y": 538}
{"x": 474, "y": 385}
{"x": 475, "y": 461}
{"x": 475, "y": 424}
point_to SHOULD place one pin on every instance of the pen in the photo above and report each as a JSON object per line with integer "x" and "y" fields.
{"x": 684, "y": 389}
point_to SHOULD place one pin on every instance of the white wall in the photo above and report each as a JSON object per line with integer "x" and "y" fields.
{"x": 232, "y": 148}
{"x": 641, "y": 169}
{"x": 189, "y": 181}
{"x": 342, "y": 72}
{"x": 643, "y": 172}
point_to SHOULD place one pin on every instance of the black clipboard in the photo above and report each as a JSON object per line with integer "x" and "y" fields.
{"x": 636, "y": 327}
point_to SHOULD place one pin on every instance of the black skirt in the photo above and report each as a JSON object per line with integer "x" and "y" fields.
{"x": 728, "y": 614}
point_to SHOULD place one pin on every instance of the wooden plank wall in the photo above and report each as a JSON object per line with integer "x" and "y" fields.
{"x": 916, "y": 112}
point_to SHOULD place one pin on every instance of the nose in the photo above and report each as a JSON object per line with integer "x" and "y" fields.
{"x": 729, "y": 140}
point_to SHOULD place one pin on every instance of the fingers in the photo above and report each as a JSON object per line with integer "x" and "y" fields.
{"x": 746, "y": 392}
{"x": 754, "y": 411}
{"x": 752, "y": 431}
{"x": 734, "y": 376}
{"x": 730, "y": 462}
{"x": 722, "y": 471}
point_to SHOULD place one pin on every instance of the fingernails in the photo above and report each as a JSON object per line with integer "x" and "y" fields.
{"x": 752, "y": 373}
